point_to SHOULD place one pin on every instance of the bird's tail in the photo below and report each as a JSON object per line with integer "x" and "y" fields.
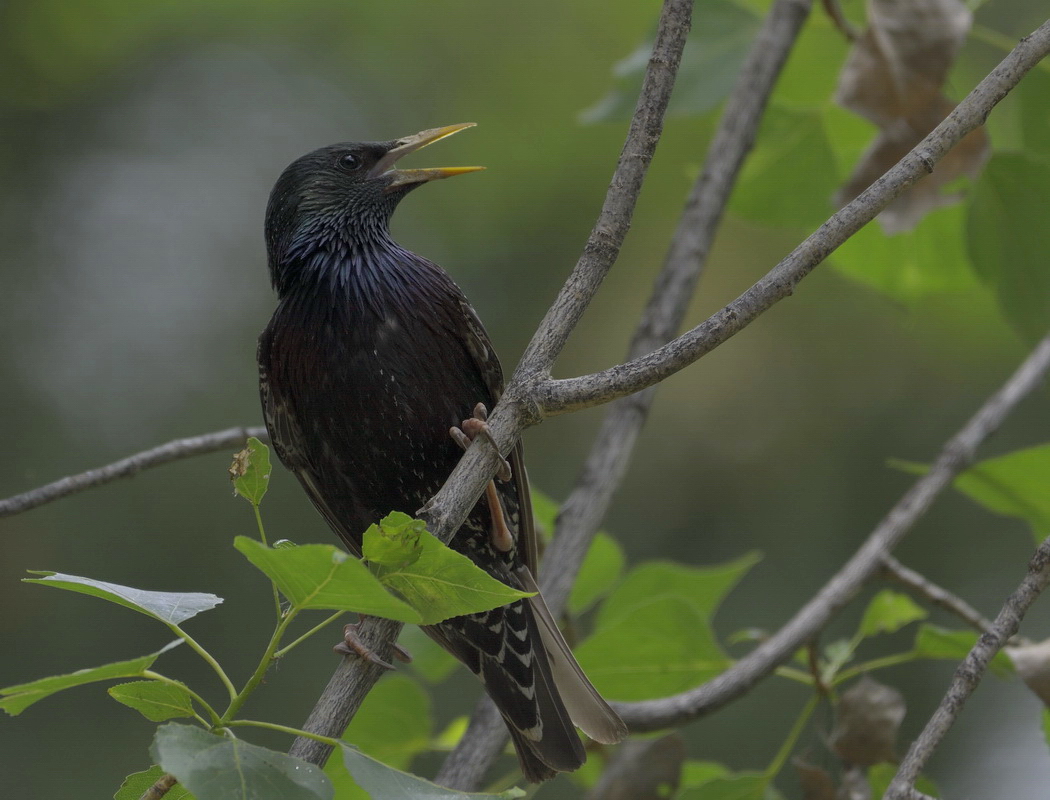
{"x": 531, "y": 675}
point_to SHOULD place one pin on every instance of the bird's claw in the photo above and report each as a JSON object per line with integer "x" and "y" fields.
{"x": 353, "y": 646}
{"x": 475, "y": 426}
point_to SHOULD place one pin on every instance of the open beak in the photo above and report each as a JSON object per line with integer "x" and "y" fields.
{"x": 409, "y": 144}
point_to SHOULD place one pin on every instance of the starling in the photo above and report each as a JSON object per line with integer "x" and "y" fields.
{"x": 372, "y": 355}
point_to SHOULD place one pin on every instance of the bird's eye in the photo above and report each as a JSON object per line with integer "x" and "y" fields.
{"x": 351, "y": 161}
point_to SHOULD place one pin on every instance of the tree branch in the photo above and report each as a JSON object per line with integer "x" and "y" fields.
{"x": 684, "y": 262}
{"x": 937, "y": 595}
{"x": 957, "y": 453}
{"x": 126, "y": 467}
{"x": 353, "y": 679}
{"x": 560, "y": 396}
{"x": 968, "y": 674}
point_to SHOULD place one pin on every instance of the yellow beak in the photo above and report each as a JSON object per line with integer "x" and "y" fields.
{"x": 409, "y": 144}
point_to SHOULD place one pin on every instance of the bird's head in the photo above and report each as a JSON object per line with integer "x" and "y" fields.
{"x": 344, "y": 194}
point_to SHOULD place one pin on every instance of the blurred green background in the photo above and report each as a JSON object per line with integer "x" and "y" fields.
{"x": 137, "y": 146}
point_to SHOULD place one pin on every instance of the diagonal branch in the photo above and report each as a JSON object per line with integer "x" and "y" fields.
{"x": 969, "y": 673}
{"x": 684, "y": 262}
{"x": 957, "y": 453}
{"x": 126, "y": 467}
{"x": 560, "y": 396}
{"x": 353, "y": 678}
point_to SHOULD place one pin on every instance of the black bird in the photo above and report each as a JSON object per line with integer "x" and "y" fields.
{"x": 372, "y": 355}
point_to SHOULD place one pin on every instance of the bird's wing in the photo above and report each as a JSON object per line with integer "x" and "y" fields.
{"x": 480, "y": 347}
{"x": 285, "y": 436}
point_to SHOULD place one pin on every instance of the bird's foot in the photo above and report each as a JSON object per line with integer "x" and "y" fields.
{"x": 475, "y": 426}
{"x": 501, "y": 537}
{"x": 352, "y": 645}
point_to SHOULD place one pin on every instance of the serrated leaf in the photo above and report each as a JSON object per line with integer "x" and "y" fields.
{"x": 394, "y": 542}
{"x": 442, "y": 583}
{"x": 714, "y": 52}
{"x": 657, "y": 648}
{"x": 172, "y": 608}
{"x": 1008, "y": 239}
{"x": 600, "y": 571}
{"x": 379, "y": 780}
{"x": 251, "y": 470}
{"x": 932, "y": 641}
{"x": 321, "y": 576}
{"x": 155, "y": 700}
{"x": 16, "y": 699}
{"x": 1013, "y": 484}
{"x": 223, "y": 768}
{"x": 888, "y": 612}
{"x": 136, "y": 785}
{"x": 741, "y": 786}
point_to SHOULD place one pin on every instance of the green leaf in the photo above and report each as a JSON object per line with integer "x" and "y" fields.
{"x": 394, "y": 722}
{"x": 430, "y": 661}
{"x": 714, "y": 53}
{"x": 393, "y": 726}
{"x": 888, "y": 612}
{"x": 16, "y": 699}
{"x": 1014, "y": 485}
{"x": 657, "y": 648}
{"x": 223, "y": 768}
{"x": 172, "y": 608}
{"x": 929, "y": 260}
{"x": 703, "y": 587}
{"x": 136, "y": 785}
{"x": 741, "y": 786}
{"x": 600, "y": 571}
{"x": 695, "y": 773}
{"x": 379, "y": 780}
{"x": 544, "y": 512}
{"x": 155, "y": 700}
{"x": 322, "y": 576}
{"x": 792, "y": 150}
{"x": 934, "y": 642}
{"x": 251, "y": 471}
{"x": 395, "y": 541}
{"x": 653, "y": 634}
{"x": 442, "y": 583}
{"x": 1008, "y": 239}
{"x": 880, "y": 775}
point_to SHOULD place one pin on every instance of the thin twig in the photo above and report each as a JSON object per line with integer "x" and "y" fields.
{"x": 126, "y": 467}
{"x": 353, "y": 678}
{"x": 957, "y": 453}
{"x": 937, "y": 595}
{"x": 968, "y": 674}
{"x": 560, "y": 396}
{"x": 602, "y": 473}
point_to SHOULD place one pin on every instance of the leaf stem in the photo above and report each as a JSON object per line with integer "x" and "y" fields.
{"x": 285, "y": 729}
{"x": 792, "y": 738}
{"x": 309, "y": 633}
{"x": 239, "y": 698}
{"x": 208, "y": 657}
{"x": 874, "y": 664}
{"x": 262, "y": 538}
